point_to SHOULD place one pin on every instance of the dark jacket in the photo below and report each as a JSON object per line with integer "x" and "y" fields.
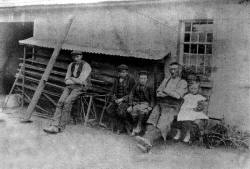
{"x": 129, "y": 83}
{"x": 148, "y": 93}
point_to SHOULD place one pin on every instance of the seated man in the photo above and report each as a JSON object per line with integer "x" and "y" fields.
{"x": 141, "y": 101}
{"x": 117, "y": 110}
{"x": 77, "y": 81}
{"x": 169, "y": 100}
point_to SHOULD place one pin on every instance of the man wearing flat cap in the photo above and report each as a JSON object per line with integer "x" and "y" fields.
{"x": 169, "y": 99}
{"x": 77, "y": 80}
{"x": 141, "y": 101}
{"x": 118, "y": 108}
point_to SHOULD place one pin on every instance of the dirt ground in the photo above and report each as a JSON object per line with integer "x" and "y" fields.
{"x": 26, "y": 146}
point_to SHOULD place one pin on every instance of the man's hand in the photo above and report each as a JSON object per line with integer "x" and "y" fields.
{"x": 69, "y": 82}
{"x": 118, "y": 101}
{"x": 129, "y": 109}
{"x": 149, "y": 108}
{"x": 160, "y": 94}
{"x": 73, "y": 79}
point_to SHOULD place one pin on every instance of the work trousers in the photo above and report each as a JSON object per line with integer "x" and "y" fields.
{"x": 64, "y": 106}
{"x": 152, "y": 134}
{"x": 140, "y": 109}
{"x": 162, "y": 117}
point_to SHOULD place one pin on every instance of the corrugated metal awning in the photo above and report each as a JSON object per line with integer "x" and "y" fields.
{"x": 51, "y": 44}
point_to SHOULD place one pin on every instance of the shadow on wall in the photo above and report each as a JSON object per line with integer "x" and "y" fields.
{"x": 15, "y": 31}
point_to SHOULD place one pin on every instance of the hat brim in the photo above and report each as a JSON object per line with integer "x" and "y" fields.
{"x": 123, "y": 67}
{"x": 75, "y": 54}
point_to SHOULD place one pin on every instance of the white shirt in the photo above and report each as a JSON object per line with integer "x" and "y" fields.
{"x": 86, "y": 70}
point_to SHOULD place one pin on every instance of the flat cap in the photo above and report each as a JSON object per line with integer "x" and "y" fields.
{"x": 122, "y": 67}
{"x": 143, "y": 72}
{"x": 76, "y": 52}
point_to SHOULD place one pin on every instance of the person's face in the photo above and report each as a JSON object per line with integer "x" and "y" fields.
{"x": 143, "y": 79}
{"x": 78, "y": 58}
{"x": 123, "y": 73}
{"x": 194, "y": 88}
{"x": 174, "y": 71}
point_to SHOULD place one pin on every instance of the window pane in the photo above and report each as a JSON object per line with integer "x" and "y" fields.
{"x": 194, "y": 26}
{"x": 208, "y": 71}
{"x": 210, "y": 37}
{"x": 187, "y": 27}
{"x": 186, "y": 59}
{"x": 187, "y": 37}
{"x": 203, "y": 21}
{"x": 193, "y": 60}
{"x": 200, "y": 64}
{"x": 208, "y": 49}
{"x": 207, "y": 60}
{"x": 200, "y": 60}
{"x": 209, "y": 21}
{"x": 209, "y": 28}
{"x": 192, "y": 68}
{"x": 201, "y": 49}
{"x": 193, "y": 48}
{"x": 202, "y": 37}
{"x": 186, "y": 48}
{"x": 200, "y": 70}
{"x": 194, "y": 37}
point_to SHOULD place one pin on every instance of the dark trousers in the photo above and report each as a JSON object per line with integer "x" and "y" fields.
{"x": 119, "y": 116}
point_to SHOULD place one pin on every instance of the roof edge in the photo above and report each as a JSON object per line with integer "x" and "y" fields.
{"x": 51, "y": 44}
{"x": 109, "y": 3}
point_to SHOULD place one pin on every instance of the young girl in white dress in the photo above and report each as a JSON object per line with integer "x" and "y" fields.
{"x": 191, "y": 110}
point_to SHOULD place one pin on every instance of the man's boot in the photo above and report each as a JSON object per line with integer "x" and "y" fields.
{"x": 51, "y": 130}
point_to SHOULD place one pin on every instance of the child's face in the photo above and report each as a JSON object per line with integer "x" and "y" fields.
{"x": 123, "y": 73}
{"x": 143, "y": 79}
{"x": 194, "y": 88}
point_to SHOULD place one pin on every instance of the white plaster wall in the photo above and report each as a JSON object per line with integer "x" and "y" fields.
{"x": 231, "y": 80}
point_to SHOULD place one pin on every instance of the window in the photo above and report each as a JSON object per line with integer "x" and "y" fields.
{"x": 196, "y": 38}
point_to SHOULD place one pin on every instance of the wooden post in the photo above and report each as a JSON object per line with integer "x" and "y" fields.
{"x": 23, "y": 74}
{"x": 33, "y": 53}
{"x": 46, "y": 74}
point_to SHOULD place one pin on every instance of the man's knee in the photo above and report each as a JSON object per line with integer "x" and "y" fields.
{"x": 150, "y": 127}
{"x": 69, "y": 101}
{"x": 60, "y": 104}
{"x": 156, "y": 108}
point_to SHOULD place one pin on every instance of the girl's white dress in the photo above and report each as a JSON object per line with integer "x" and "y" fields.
{"x": 187, "y": 112}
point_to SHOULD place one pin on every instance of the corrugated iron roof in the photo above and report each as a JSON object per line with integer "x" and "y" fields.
{"x": 17, "y": 3}
{"x": 51, "y": 44}
{"x": 25, "y": 3}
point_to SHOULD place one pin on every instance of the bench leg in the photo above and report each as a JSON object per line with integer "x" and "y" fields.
{"x": 88, "y": 110}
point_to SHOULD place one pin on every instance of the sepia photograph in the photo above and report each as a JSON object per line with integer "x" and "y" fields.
{"x": 124, "y": 84}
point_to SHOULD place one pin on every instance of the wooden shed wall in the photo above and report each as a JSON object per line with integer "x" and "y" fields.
{"x": 102, "y": 77}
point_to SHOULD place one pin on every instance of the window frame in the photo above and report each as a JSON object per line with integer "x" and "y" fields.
{"x": 181, "y": 43}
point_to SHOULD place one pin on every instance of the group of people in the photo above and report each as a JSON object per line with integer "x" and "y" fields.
{"x": 134, "y": 107}
{"x": 131, "y": 102}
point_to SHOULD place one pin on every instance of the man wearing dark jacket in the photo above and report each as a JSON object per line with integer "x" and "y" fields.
{"x": 121, "y": 90}
{"x": 141, "y": 101}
